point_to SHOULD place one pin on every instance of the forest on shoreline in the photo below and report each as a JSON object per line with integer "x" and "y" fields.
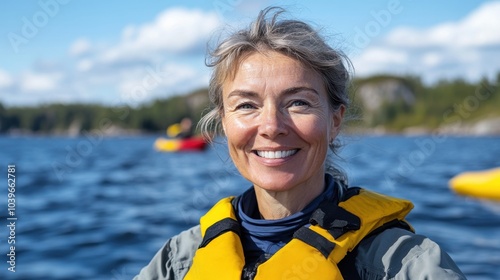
{"x": 389, "y": 104}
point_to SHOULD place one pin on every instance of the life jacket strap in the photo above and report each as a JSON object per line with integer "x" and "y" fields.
{"x": 335, "y": 219}
{"x": 314, "y": 239}
{"x": 220, "y": 227}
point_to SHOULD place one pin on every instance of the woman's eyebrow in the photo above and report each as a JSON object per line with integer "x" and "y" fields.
{"x": 288, "y": 91}
{"x": 294, "y": 90}
{"x": 241, "y": 93}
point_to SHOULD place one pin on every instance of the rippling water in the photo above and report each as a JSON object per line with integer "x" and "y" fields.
{"x": 92, "y": 208}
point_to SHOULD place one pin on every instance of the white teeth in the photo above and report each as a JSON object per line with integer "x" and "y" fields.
{"x": 276, "y": 154}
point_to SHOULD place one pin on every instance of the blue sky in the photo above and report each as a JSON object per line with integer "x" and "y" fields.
{"x": 131, "y": 52}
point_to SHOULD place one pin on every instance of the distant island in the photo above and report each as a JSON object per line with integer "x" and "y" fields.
{"x": 381, "y": 104}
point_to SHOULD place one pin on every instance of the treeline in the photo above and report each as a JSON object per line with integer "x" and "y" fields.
{"x": 76, "y": 118}
{"x": 443, "y": 103}
{"x": 433, "y": 105}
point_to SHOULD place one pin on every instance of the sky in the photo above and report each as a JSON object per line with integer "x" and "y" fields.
{"x": 132, "y": 52}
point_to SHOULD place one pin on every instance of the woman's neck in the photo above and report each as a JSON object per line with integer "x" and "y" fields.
{"x": 275, "y": 205}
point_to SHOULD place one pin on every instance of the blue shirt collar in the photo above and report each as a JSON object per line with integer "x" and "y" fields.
{"x": 260, "y": 236}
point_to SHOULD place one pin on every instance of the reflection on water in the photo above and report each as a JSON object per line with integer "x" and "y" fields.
{"x": 101, "y": 210}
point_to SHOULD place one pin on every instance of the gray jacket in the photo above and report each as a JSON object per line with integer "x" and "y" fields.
{"x": 393, "y": 254}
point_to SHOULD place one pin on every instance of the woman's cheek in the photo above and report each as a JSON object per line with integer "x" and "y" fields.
{"x": 236, "y": 128}
{"x": 309, "y": 126}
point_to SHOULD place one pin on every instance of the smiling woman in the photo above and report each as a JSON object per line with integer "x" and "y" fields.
{"x": 279, "y": 94}
{"x": 277, "y": 120}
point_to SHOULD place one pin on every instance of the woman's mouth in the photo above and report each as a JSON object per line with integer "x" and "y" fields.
{"x": 276, "y": 154}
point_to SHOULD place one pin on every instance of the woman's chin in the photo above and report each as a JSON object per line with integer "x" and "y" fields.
{"x": 275, "y": 183}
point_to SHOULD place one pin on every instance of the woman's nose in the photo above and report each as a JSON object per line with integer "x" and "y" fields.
{"x": 272, "y": 122}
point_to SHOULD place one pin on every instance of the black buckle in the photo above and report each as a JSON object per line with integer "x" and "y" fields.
{"x": 335, "y": 219}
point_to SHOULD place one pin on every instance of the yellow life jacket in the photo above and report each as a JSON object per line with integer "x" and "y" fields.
{"x": 313, "y": 252}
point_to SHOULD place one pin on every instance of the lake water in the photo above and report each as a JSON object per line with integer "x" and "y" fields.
{"x": 92, "y": 208}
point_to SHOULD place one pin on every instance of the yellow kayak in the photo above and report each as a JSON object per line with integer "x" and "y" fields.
{"x": 178, "y": 145}
{"x": 479, "y": 184}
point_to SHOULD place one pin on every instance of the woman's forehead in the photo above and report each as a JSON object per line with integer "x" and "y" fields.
{"x": 260, "y": 61}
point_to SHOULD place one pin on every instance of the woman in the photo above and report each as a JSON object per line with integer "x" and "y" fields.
{"x": 279, "y": 94}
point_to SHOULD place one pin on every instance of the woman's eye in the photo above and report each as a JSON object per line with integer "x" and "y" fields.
{"x": 299, "y": 103}
{"x": 245, "y": 106}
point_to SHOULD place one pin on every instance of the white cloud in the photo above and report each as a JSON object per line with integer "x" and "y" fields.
{"x": 175, "y": 31}
{"x": 382, "y": 55}
{"x": 80, "y": 47}
{"x": 151, "y": 78}
{"x": 152, "y": 82}
{"x": 480, "y": 28}
{"x": 372, "y": 58}
{"x": 448, "y": 50}
{"x": 6, "y": 79}
{"x": 84, "y": 65}
{"x": 432, "y": 59}
{"x": 154, "y": 59}
{"x": 39, "y": 82}
{"x": 163, "y": 56}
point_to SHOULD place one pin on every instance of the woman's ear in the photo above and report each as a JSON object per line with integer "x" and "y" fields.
{"x": 337, "y": 117}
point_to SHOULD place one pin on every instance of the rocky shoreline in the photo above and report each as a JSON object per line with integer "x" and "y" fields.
{"x": 485, "y": 127}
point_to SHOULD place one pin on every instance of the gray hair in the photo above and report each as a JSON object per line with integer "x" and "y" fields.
{"x": 292, "y": 38}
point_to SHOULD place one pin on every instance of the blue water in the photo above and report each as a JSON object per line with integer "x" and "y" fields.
{"x": 92, "y": 208}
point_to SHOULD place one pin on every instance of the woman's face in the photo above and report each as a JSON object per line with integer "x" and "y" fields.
{"x": 278, "y": 122}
